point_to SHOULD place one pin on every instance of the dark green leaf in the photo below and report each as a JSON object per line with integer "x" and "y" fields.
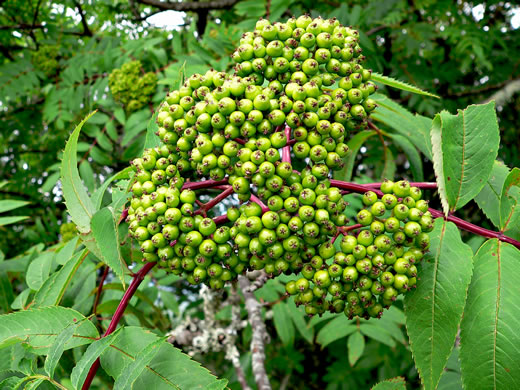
{"x": 104, "y": 229}
{"x": 489, "y": 330}
{"x": 415, "y": 128}
{"x": 133, "y": 370}
{"x": 94, "y": 350}
{"x": 336, "y": 329}
{"x": 38, "y": 328}
{"x": 464, "y": 150}
{"x": 11, "y": 204}
{"x": 356, "y": 346}
{"x": 510, "y": 201}
{"x": 434, "y": 309}
{"x": 414, "y": 158}
{"x": 57, "y": 348}
{"x": 39, "y": 269}
{"x": 379, "y": 78}
{"x": 79, "y": 205}
{"x": 398, "y": 383}
{"x": 283, "y": 324}
{"x": 488, "y": 199}
{"x": 354, "y": 145}
{"x": 53, "y": 289}
{"x": 169, "y": 369}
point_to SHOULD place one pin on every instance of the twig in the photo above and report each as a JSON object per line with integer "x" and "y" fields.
{"x": 255, "y": 199}
{"x": 216, "y": 200}
{"x": 138, "y": 278}
{"x": 203, "y": 184}
{"x": 258, "y": 279}
{"x": 259, "y": 337}
{"x": 86, "y": 29}
{"x": 469, "y": 227}
{"x": 100, "y": 289}
{"x": 286, "y": 150}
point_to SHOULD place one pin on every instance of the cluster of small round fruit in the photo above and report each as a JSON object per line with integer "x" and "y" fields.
{"x": 68, "y": 231}
{"x": 130, "y": 87}
{"x": 45, "y": 59}
{"x": 374, "y": 265}
{"x": 242, "y": 131}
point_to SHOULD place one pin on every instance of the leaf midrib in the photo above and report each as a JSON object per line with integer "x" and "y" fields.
{"x": 497, "y": 307}
{"x": 463, "y": 159}
{"x": 435, "y": 271}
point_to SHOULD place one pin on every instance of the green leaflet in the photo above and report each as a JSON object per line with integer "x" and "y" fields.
{"x": 489, "y": 343}
{"x": 391, "y": 82}
{"x": 434, "y": 309}
{"x": 79, "y": 205}
{"x": 169, "y": 368}
{"x": 38, "y": 328}
{"x": 464, "y": 150}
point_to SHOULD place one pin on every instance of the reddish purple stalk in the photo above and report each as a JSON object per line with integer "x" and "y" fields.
{"x": 469, "y": 227}
{"x": 286, "y": 150}
{"x": 216, "y": 200}
{"x": 255, "y": 199}
{"x": 138, "y": 278}
{"x": 203, "y": 184}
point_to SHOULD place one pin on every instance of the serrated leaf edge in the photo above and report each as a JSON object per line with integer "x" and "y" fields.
{"x": 438, "y": 161}
{"x": 398, "y": 84}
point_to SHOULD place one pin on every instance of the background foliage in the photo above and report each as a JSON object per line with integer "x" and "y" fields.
{"x": 55, "y": 62}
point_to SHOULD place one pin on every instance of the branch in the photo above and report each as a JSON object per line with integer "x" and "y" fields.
{"x": 505, "y": 94}
{"x": 203, "y": 184}
{"x": 23, "y": 26}
{"x": 190, "y": 5}
{"x": 216, "y": 200}
{"x": 138, "y": 278}
{"x": 286, "y": 150}
{"x": 86, "y": 29}
{"x": 259, "y": 278}
{"x": 255, "y": 199}
{"x": 259, "y": 337}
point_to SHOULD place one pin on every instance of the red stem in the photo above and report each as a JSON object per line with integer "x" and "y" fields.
{"x": 255, "y": 199}
{"x": 100, "y": 289}
{"x": 469, "y": 227}
{"x": 286, "y": 150}
{"x": 124, "y": 214}
{"x": 138, "y": 278}
{"x": 361, "y": 188}
{"x": 345, "y": 229}
{"x": 221, "y": 219}
{"x": 203, "y": 184}
{"x": 216, "y": 200}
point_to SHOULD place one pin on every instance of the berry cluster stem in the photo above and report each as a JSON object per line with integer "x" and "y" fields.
{"x": 286, "y": 150}
{"x": 136, "y": 281}
{"x": 362, "y": 188}
{"x": 469, "y": 227}
{"x": 255, "y": 199}
{"x": 216, "y": 200}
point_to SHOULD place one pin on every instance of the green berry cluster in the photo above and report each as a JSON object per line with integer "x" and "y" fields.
{"x": 244, "y": 129}
{"x": 68, "y": 231}
{"x": 45, "y": 59}
{"x": 130, "y": 87}
{"x": 374, "y": 265}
